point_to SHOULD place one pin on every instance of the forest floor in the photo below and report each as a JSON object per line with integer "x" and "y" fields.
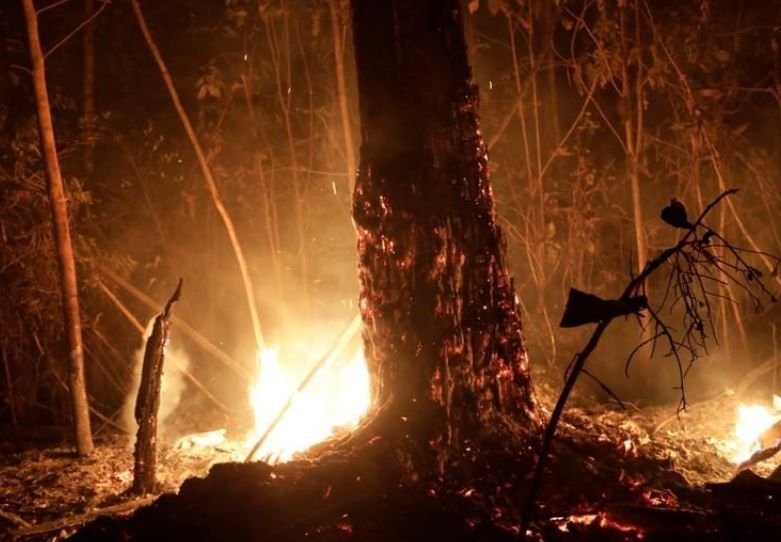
{"x": 621, "y": 463}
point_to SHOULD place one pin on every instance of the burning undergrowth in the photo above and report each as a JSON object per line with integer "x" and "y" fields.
{"x": 614, "y": 475}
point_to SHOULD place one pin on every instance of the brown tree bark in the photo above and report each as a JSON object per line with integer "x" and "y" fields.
{"x": 442, "y": 331}
{"x": 62, "y": 237}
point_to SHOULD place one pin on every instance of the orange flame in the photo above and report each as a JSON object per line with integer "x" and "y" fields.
{"x": 337, "y": 399}
{"x": 753, "y": 421}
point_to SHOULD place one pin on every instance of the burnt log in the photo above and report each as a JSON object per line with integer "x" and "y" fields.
{"x": 148, "y": 400}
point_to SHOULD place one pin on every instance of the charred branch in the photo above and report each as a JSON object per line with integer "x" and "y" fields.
{"x": 690, "y": 259}
{"x": 148, "y": 400}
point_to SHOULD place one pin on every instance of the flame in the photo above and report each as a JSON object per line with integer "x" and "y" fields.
{"x": 337, "y": 398}
{"x": 753, "y": 421}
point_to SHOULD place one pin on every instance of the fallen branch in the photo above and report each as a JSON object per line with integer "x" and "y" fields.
{"x": 95, "y": 412}
{"x": 74, "y": 521}
{"x": 10, "y": 517}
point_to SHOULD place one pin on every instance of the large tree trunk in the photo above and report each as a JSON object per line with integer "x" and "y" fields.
{"x": 62, "y": 237}
{"x": 442, "y": 329}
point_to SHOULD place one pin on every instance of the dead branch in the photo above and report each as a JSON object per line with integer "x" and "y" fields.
{"x": 148, "y": 400}
{"x": 693, "y": 337}
{"x": 13, "y": 518}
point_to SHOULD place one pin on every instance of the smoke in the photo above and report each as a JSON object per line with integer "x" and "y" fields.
{"x": 176, "y": 363}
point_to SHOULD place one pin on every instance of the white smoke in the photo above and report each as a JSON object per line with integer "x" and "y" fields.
{"x": 172, "y": 386}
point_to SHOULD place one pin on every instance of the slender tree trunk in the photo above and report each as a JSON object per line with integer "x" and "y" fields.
{"x": 88, "y": 105}
{"x": 442, "y": 330}
{"x": 62, "y": 238}
{"x": 284, "y": 97}
{"x": 633, "y": 133}
{"x": 211, "y": 182}
{"x": 266, "y": 192}
{"x": 341, "y": 90}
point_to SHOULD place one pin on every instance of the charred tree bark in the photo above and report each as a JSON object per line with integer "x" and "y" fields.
{"x": 148, "y": 400}
{"x": 62, "y": 237}
{"x": 442, "y": 330}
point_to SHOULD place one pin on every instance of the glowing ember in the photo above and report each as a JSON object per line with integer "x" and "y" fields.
{"x": 336, "y": 399}
{"x": 568, "y": 523}
{"x": 753, "y": 421}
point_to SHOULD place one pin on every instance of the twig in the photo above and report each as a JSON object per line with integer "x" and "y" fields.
{"x": 73, "y": 32}
{"x": 53, "y": 5}
{"x": 107, "y": 421}
{"x": 13, "y": 518}
{"x": 605, "y": 388}
{"x": 9, "y": 382}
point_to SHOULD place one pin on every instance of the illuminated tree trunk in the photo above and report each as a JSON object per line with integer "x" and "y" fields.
{"x": 62, "y": 238}
{"x": 442, "y": 330}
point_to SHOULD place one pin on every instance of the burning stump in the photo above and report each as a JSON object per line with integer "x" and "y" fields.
{"x": 148, "y": 401}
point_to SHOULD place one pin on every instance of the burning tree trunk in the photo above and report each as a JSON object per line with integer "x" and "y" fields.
{"x": 62, "y": 237}
{"x": 442, "y": 328}
{"x": 148, "y": 400}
